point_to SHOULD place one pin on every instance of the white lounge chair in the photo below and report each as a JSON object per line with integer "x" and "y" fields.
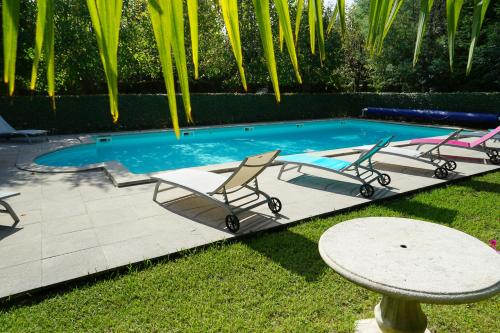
{"x": 209, "y": 184}
{"x": 431, "y": 156}
{"x": 8, "y": 209}
{"x": 8, "y": 131}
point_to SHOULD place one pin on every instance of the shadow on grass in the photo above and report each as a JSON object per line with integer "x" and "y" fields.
{"x": 292, "y": 251}
{"x": 423, "y": 211}
{"x": 481, "y": 186}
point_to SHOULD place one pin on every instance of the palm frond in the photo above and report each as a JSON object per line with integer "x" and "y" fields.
{"x": 480, "y": 8}
{"x": 106, "y": 17}
{"x": 264, "y": 23}
{"x": 286, "y": 33}
{"x": 44, "y": 42}
{"x": 10, "y": 30}
{"x": 229, "y": 9}
{"x": 192, "y": 6}
{"x": 453, "y": 8}
{"x": 298, "y": 18}
{"x": 425, "y": 9}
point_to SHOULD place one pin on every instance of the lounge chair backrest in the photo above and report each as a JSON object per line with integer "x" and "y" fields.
{"x": 485, "y": 137}
{"x": 248, "y": 170}
{"x": 448, "y": 138}
{"x": 5, "y": 127}
{"x": 376, "y": 147}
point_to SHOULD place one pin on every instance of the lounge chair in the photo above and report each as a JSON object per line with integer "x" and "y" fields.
{"x": 478, "y": 134}
{"x": 341, "y": 167}
{"x": 479, "y": 144}
{"x": 8, "y": 209}
{"x": 431, "y": 156}
{"x": 209, "y": 184}
{"x": 8, "y": 131}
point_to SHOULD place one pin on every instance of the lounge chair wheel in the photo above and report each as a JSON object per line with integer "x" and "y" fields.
{"x": 366, "y": 190}
{"x": 441, "y": 173}
{"x": 492, "y": 152}
{"x": 232, "y": 223}
{"x": 274, "y": 205}
{"x": 495, "y": 159}
{"x": 384, "y": 179}
{"x": 450, "y": 165}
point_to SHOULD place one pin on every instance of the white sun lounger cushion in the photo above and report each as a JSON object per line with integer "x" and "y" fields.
{"x": 197, "y": 180}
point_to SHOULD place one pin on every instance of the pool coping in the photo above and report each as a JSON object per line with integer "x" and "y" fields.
{"x": 120, "y": 176}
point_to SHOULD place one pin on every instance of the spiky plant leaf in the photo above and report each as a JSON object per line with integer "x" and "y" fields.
{"x": 44, "y": 43}
{"x": 106, "y": 17}
{"x": 229, "y": 9}
{"x": 453, "y": 8}
{"x": 179, "y": 51}
{"x": 340, "y": 7}
{"x": 480, "y": 8}
{"x": 264, "y": 23}
{"x": 335, "y": 14}
{"x": 300, "y": 9}
{"x": 312, "y": 24}
{"x": 286, "y": 33}
{"x": 192, "y": 6}
{"x": 319, "y": 29}
{"x": 425, "y": 9}
{"x": 10, "y": 30}
{"x": 160, "y": 20}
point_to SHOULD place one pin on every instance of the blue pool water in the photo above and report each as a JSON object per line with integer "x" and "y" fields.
{"x": 156, "y": 151}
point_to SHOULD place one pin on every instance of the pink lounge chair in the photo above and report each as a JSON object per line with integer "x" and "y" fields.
{"x": 479, "y": 144}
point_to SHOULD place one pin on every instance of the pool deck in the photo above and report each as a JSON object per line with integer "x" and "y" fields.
{"x": 77, "y": 224}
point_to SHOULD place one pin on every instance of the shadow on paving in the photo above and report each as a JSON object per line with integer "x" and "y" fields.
{"x": 204, "y": 211}
{"x": 338, "y": 186}
{"x": 6, "y": 231}
{"x": 293, "y": 252}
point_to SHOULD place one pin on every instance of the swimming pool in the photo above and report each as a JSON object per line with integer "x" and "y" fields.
{"x": 156, "y": 151}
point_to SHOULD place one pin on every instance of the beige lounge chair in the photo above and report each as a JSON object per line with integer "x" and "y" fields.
{"x": 209, "y": 185}
{"x": 8, "y": 209}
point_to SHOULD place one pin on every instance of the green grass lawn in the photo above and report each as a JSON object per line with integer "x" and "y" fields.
{"x": 271, "y": 282}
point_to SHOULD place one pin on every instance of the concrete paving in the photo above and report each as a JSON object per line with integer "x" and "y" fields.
{"x": 76, "y": 224}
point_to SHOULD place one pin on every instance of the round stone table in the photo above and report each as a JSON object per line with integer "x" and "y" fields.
{"x": 410, "y": 262}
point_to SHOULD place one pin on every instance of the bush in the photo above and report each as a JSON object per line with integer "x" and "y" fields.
{"x": 80, "y": 114}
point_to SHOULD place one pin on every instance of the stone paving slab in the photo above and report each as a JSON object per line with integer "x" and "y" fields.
{"x": 76, "y": 224}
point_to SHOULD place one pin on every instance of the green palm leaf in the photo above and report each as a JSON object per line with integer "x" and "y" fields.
{"x": 298, "y": 18}
{"x": 161, "y": 28}
{"x": 425, "y": 9}
{"x": 192, "y": 6}
{"x": 229, "y": 9}
{"x": 179, "y": 51}
{"x": 453, "y": 8}
{"x": 480, "y": 8}
{"x": 320, "y": 30}
{"x": 264, "y": 23}
{"x": 106, "y": 16}
{"x": 335, "y": 14}
{"x": 44, "y": 42}
{"x": 285, "y": 27}
{"x": 10, "y": 29}
{"x": 340, "y": 7}
{"x": 381, "y": 17}
{"x": 312, "y": 24}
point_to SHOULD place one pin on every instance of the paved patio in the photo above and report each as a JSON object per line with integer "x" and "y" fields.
{"x": 76, "y": 224}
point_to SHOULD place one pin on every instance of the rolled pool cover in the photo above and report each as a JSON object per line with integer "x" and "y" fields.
{"x": 434, "y": 115}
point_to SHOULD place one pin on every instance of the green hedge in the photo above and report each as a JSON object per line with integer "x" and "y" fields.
{"x": 79, "y": 114}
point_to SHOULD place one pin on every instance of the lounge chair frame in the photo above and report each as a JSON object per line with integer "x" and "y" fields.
{"x": 250, "y": 184}
{"x": 8, "y": 209}
{"x": 362, "y": 174}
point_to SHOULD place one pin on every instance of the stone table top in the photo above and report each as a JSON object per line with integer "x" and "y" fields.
{"x": 412, "y": 260}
